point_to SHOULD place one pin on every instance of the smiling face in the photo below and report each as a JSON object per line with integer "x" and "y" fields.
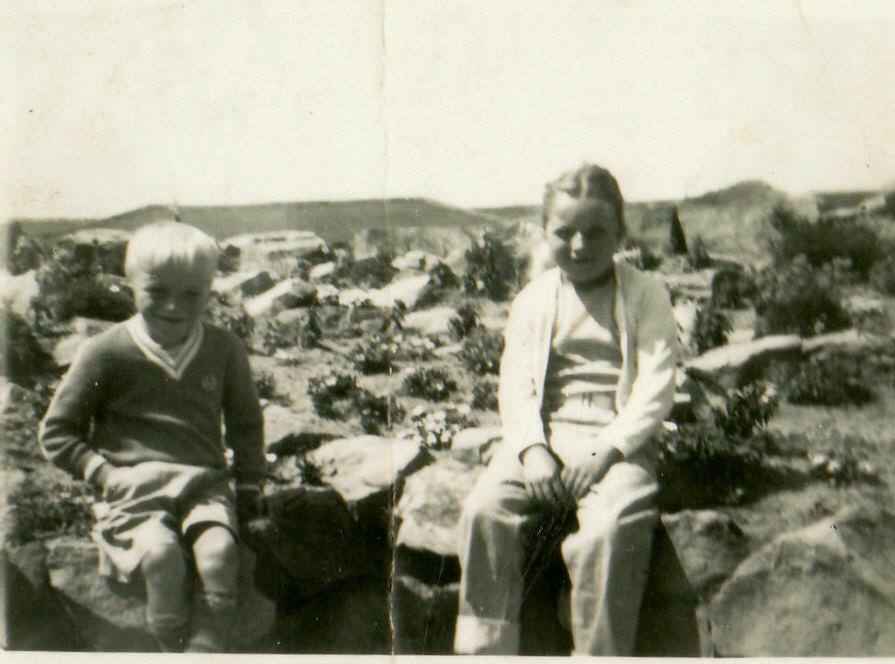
{"x": 172, "y": 299}
{"x": 582, "y": 236}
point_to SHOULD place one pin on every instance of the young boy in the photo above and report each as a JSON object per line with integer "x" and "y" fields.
{"x": 138, "y": 416}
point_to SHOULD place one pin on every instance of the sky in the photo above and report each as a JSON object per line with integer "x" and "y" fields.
{"x": 108, "y": 105}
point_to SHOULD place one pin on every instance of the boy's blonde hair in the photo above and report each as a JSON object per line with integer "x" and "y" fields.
{"x": 164, "y": 242}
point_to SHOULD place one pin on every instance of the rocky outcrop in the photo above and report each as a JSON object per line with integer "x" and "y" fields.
{"x": 824, "y": 590}
{"x": 110, "y": 617}
{"x": 264, "y": 248}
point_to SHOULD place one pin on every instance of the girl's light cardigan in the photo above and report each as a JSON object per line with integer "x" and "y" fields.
{"x": 648, "y": 337}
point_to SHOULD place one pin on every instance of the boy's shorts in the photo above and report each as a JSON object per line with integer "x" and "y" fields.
{"x": 157, "y": 502}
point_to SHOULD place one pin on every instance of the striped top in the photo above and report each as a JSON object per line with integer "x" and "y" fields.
{"x": 585, "y": 357}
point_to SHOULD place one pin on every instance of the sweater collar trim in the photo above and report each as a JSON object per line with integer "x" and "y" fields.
{"x": 173, "y": 363}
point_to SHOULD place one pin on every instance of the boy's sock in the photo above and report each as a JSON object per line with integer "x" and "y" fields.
{"x": 213, "y": 621}
{"x": 170, "y": 631}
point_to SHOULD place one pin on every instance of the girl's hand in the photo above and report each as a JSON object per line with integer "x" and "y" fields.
{"x": 581, "y": 474}
{"x": 540, "y": 472}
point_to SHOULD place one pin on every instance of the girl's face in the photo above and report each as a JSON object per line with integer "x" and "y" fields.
{"x": 582, "y": 236}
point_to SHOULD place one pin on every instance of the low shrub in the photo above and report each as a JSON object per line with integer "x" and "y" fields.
{"x": 464, "y": 322}
{"x": 732, "y": 288}
{"x": 840, "y": 465}
{"x": 825, "y": 240}
{"x": 434, "y": 384}
{"x": 718, "y": 460}
{"x": 882, "y": 276}
{"x": 26, "y": 360}
{"x": 45, "y": 505}
{"x": 443, "y": 277}
{"x": 437, "y": 429}
{"x": 373, "y": 272}
{"x": 797, "y": 299}
{"x": 481, "y": 351}
{"x": 27, "y": 252}
{"x": 710, "y": 328}
{"x": 484, "y": 394}
{"x": 329, "y": 389}
{"x": 377, "y": 413}
{"x": 375, "y": 356}
{"x": 492, "y": 268}
{"x": 230, "y": 315}
{"x": 827, "y": 378}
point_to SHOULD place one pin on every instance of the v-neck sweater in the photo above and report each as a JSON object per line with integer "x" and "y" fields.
{"x": 118, "y": 404}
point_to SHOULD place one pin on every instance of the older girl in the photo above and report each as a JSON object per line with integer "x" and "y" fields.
{"x": 586, "y": 376}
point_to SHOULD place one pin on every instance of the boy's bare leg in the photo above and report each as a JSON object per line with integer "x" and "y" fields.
{"x": 164, "y": 571}
{"x": 217, "y": 565}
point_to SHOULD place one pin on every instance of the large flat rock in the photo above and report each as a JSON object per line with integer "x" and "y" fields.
{"x": 824, "y": 590}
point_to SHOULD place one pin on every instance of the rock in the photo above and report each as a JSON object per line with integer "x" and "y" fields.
{"x": 685, "y": 315}
{"x": 301, "y": 294}
{"x": 407, "y": 290}
{"x": 270, "y": 301}
{"x": 353, "y": 297}
{"x": 282, "y": 428}
{"x": 416, "y": 260}
{"x": 256, "y": 285}
{"x": 111, "y": 617}
{"x": 431, "y": 321}
{"x": 327, "y": 294}
{"x": 734, "y": 364}
{"x": 31, "y": 616}
{"x": 430, "y": 506}
{"x": 824, "y": 590}
{"x": 308, "y": 543}
{"x": 475, "y": 445}
{"x": 846, "y": 338}
{"x": 709, "y": 545}
{"x": 350, "y": 618}
{"x": 84, "y": 328}
{"x": 17, "y": 291}
{"x": 365, "y": 465}
{"x": 263, "y": 248}
{"x": 246, "y": 282}
{"x": 424, "y": 617}
{"x": 321, "y": 270}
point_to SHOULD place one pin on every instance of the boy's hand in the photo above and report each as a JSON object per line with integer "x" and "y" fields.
{"x": 249, "y": 503}
{"x": 101, "y": 476}
{"x": 581, "y": 474}
{"x": 540, "y": 472}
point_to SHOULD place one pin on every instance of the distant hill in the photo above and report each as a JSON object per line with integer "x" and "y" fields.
{"x": 827, "y": 201}
{"x": 331, "y": 220}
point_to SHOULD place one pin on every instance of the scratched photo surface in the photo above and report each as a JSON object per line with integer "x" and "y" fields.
{"x": 513, "y": 328}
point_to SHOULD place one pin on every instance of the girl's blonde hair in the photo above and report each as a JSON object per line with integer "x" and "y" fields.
{"x": 589, "y": 182}
{"x": 164, "y": 242}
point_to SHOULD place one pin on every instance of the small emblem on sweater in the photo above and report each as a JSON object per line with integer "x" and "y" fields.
{"x": 209, "y": 383}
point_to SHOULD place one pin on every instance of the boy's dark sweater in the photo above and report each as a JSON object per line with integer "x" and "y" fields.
{"x": 138, "y": 412}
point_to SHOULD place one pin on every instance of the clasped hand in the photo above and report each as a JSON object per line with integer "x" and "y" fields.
{"x": 548, "y": 482}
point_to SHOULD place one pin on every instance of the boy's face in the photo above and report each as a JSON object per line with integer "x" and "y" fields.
{"x": 582, "y": 236}
{"x": 172, "y": 299}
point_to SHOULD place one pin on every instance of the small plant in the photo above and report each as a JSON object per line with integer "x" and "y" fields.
{"x": 828, "y": 378}
{"x": 275, "y": 335}
{"x": 434, "y": 384}
{"x": 797, "y": 299}
{"x": 481, "y": 351}
{"x": 747, "y": 409}
{"x": 443, "y": 277}
{"x": 437, "y": 429}
{"x": 839, "y": 465}
{"x": 492, "y": 268}
{"x": 265, "y": 384}
{"x": 710, "y": 328}
{"x": 464, "y": 322}
{"x": 328, "y": 389}
{"x": 377, "y": 413}
{"x": 484, "y": 394}
{"x": 309, "y": 332}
